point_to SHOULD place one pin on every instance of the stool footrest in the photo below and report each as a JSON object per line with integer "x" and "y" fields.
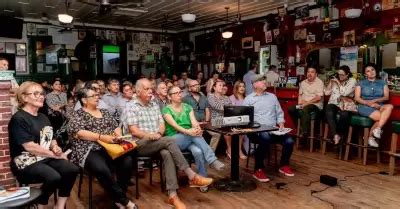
{"x": 357, "y": 145}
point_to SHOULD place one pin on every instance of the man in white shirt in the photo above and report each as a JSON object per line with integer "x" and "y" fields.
{"x": 272, "y": 75}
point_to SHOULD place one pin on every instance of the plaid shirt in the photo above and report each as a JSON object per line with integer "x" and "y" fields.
{"x": 147, "y": 118}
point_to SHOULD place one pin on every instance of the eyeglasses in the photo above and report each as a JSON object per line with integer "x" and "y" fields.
{"x": 178, "y": 92}
{"x": 36, "y": 93}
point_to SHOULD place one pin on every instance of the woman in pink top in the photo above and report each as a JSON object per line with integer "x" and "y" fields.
{"x": 239, "y": 91}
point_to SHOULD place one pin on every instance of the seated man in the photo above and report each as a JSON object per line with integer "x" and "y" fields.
{"x": 184, "y": 128}
{"x": 311, "y": 93}
{"x": 267, "y": 111}
{"x": 144, "y": 121}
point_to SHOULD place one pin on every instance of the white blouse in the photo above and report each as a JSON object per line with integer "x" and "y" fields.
{"x": 338, "y": 90}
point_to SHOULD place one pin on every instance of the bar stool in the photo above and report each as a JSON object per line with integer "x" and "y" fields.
{"x": 393, "y": 147}
{"x": 312, "y": 130}
{"x": 325, "y": 139}
{"x": 365, "y": 123}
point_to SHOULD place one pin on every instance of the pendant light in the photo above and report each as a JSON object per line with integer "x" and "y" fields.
{"x": 65, "y": 18}
{"x": 227, "y": 34}
{"x": 188, "y": 17}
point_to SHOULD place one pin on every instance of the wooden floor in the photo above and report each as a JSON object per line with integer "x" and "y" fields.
{"x": 363, "y": 188}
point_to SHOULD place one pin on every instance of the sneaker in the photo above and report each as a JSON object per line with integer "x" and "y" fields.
{"x": 203, "y": 189}
{"x": 176, "y": 203}
{"x": 286, "y": 170}
{"x": 217, "y": 165}
{"x": 199, "y": 181}
{"x": 372, "y": 142}
{"x": 377, "y": 133}
{"x": 260, "y": 176}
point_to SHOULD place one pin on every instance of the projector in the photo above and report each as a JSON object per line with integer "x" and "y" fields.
{"x": 240, "y": 120}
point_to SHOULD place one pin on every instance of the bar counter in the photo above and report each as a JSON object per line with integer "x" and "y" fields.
{"x": 289, "y": 96}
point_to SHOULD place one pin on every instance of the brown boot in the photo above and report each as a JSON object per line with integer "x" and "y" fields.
{"x": 199, "y": 181}
{"x": 176, "y": 202}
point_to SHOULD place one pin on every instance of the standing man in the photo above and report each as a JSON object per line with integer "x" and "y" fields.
{"x": 112, "y": 97}
{"x": 272, "y": 76}
{"x": 162, "y": 95}
{"x": 311, "y": 93}
{"x": 249, "y": 77}
{"x": 198, "y": 101}
{"x": 267, "y": 111}
{"x": 145, "y": 122}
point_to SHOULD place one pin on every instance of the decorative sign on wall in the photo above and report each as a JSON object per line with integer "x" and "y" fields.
{"x": 302, "y": 12}
{"x": 349, "y": 38}
{"x": 300, "y": 34}
{"x": 247, "y": 42}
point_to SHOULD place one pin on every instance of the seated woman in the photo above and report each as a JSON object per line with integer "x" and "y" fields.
{"x": 217, "y": 100}
{"x": 370, "y": 93}
{"x": 239, "y": 91}
{"x": 341, "y": 91}
{"x": 56, "y": 101}
{"x": 35, "y": 155}
{"x": 183, "y": 126}
{"x": 88, "y": 125}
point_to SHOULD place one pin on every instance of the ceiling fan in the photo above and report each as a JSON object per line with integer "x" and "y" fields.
{"x": 123, "y": 7}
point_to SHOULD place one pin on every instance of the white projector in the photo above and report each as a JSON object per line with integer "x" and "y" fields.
{"x": 240, "y": 120}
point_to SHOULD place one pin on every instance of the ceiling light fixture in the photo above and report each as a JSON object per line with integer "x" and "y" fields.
{"x": 188, "y": 17}
{"x": 65, "y": 18}
{"x": 227, "y": 34}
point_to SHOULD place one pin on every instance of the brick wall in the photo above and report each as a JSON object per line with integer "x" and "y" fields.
{"x": 6, "y": 177}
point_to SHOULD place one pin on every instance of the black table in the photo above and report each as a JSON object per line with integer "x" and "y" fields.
{"x": 235, "y": 184}
{"x": 20, "y": 203}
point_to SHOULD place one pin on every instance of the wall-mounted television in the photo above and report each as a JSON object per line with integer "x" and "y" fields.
{"x": 111, "y": 59}
{"x": 11, "y": 27}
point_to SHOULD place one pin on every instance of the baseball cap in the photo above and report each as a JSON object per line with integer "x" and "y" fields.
{"x": 259, "y": 78}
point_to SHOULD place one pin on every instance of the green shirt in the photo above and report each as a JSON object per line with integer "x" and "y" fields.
{"x": 181, "y": 118}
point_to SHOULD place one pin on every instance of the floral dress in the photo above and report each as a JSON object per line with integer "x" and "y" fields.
{"x": 82, "y": 120}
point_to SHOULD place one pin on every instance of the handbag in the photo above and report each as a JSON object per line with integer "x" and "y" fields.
{"x": 348, "y": 104}
{"x": 119, "y": 149}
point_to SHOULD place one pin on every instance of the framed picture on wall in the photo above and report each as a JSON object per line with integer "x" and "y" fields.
{"x": 20, "y": 49}
{"x": 247, "y": 43}
{"x": 20, "y": 65}
{"x": 302, "y": 12}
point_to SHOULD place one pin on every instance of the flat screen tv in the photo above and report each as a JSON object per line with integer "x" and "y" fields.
{"x": 111, "y": 59}
{"x": 11, "y": 27}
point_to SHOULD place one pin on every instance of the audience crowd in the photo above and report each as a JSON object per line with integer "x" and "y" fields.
{"x": 166, "y": 117}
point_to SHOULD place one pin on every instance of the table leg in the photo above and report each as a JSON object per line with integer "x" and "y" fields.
{"x": 234, "y": 184}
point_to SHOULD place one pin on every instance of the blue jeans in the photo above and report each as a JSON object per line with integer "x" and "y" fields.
{"x": 199, "y": 148}
{"x": 264, "y": 140}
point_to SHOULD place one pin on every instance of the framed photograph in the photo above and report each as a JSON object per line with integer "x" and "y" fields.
{"x": 327, "y": 38}
{"x": 302, "y": 12}
{"x": 325, "y": 27}
{"x": 268, "y": 36}
{"x": 311, "y": 38}
{"x": 334, "y": 24}
{"x": 247, "y": 42}
{"x": 20, "y": 65}
{"x": 31, "y": 28}
{"x": 20, "y": 49}
{"x": 349, "y": 38}
{"x": 300, "y": 34}
{"x": 10, "y": 48}
{"x": 81, "y": 34}
{"x": 42, "y": 31}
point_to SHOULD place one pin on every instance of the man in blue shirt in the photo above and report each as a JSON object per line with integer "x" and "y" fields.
{"x": 249, "y": 77}
{"x": 268, "y": 111}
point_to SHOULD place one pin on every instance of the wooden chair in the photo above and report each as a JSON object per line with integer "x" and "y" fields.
{"x": 393, "y": 147}
{"x": 365, "y": 123}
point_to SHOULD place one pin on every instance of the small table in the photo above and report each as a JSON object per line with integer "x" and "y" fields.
{"x": 20, "y": 203}
{"x": 234, "y": 184}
